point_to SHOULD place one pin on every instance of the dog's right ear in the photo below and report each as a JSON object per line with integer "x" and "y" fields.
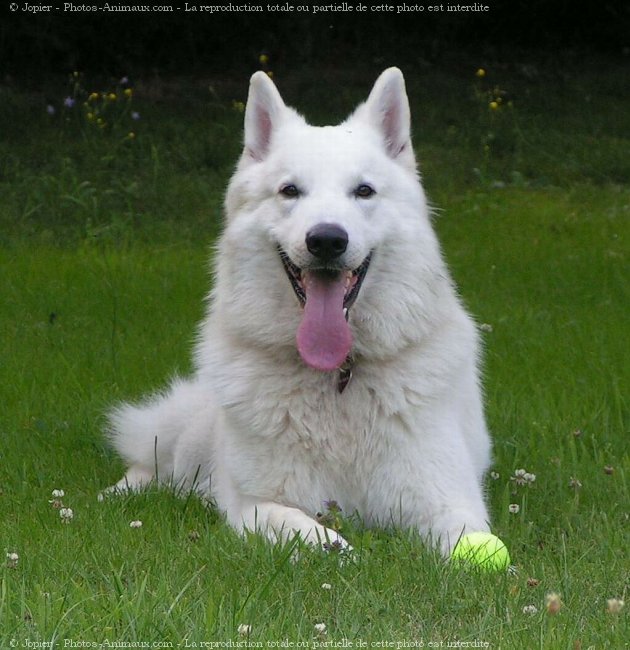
{"x": 265, "y": 110}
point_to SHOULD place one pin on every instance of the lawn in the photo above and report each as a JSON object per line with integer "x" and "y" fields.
{"x": 105, "y": 234}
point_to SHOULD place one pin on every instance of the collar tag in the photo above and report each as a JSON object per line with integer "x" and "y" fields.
{"x": 345, "y": 373}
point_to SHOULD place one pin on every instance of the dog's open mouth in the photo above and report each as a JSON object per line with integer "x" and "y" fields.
{"x": 323, "y": 338}
{"x": 352, "y": 279}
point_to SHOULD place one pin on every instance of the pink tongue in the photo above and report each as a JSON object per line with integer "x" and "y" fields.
{"x": 323, "y": 338}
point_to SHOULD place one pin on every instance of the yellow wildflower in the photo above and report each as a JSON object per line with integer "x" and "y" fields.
{"x": 112, "y": 97}
{"x": 493, "y": 106}
{"x": 481, "y": 73}
{"x": 128, "y": 92}
{"x": 263, "y": 59}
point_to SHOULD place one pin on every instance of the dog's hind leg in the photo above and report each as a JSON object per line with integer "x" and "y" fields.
{"x": 135, "y": 478}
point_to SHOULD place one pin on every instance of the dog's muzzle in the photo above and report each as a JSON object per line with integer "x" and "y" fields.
{"x": 326, "y": 291}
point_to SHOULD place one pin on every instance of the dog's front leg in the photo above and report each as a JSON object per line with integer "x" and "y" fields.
{"x": 282, "y": 523}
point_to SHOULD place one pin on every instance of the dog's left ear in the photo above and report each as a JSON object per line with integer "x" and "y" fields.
{"x": 387, "y": 108}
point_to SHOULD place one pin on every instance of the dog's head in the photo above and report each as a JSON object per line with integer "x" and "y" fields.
{"x": 326, "y": 206}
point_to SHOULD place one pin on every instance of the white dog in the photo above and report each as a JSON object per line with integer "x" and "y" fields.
{"x": 336, "y": 361}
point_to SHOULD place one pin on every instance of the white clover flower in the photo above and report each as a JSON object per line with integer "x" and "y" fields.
{"x": 522, "y": 477}
{"x": 614, "y": 605}
{"x": 495, "y": 476}
{"x": 56, "y": 501}
{"x": 553, "y": 603}
{"x": 530, "y": 610}
{"x": 519, "y": 477}
{"x": 66, "y": 515}
{"x": 327, "y": 586}
{"x": 320, "y": 628}
{"x": 135, "y": 524}
{"x": 244, "y": 630}
{"x": 12, "y": 560}
{"x": 514, "y": 508}
{"x": 486, "y": 327}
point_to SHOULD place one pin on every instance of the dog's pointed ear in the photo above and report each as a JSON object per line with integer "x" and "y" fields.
{"x": 387, "y": 108}
{"x": 265, "y": 109}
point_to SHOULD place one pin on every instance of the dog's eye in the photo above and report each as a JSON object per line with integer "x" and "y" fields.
{"x": 364, "y": 191}
{"x": 290, "y": 191}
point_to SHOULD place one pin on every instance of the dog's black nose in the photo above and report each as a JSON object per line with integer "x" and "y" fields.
{"x": 327, "y": 241}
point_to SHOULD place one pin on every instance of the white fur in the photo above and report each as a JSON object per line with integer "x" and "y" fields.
{"x": 270, "y": 439}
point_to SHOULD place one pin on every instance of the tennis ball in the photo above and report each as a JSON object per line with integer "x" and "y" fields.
{"x": 483, "y": 550}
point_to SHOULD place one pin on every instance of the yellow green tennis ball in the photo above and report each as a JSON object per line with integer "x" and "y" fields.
{"x": 483, "y": 550}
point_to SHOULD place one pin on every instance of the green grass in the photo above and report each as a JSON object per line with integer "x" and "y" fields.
{"x": 103, "y": 269}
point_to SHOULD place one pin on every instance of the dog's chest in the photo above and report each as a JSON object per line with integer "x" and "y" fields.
{"x": 304, "y": 417}
{"x": 300, "y": 441}
{"x": 315, "y": 414}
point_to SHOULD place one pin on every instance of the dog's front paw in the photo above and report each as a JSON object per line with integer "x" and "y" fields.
{"x": 341, "y": 549}
{"x": 330, "y": 542}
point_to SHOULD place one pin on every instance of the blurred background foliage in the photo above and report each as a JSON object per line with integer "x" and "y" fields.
{"x": 31, "y": 45}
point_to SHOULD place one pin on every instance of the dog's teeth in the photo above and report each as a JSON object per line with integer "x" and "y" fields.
{"x": 345, "y": 313}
